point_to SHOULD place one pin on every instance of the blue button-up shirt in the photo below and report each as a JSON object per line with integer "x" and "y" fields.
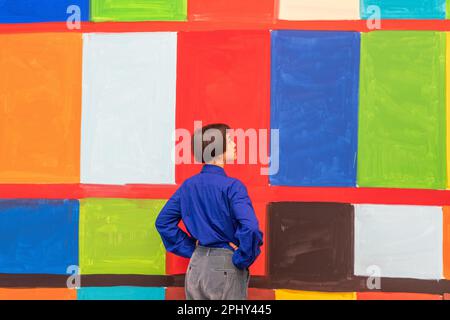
{"x": 216, "y": 210}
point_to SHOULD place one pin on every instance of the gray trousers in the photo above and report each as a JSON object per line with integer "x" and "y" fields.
{"x": 211, "y": 275}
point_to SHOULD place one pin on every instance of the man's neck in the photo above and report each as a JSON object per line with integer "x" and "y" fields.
{"x": 216, "y": 163}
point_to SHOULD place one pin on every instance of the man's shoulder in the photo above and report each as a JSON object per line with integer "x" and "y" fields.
{"x": 235, "y": 186}
{"x": 235, "y": 182}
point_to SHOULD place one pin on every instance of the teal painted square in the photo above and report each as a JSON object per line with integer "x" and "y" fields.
{"x": 404, "y": 9}
{"x": 121, "y": 293}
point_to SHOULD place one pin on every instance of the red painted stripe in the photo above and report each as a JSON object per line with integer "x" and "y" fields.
{"x": 341, "y": 25}
{"x": 44, "y": 191}
{"x": 80, "y": 191}
{"x": 362, "y": 25}
{"x": 258, "y": 194}
{"x": 359, "y": 195}
{"x": 397, "y": 296}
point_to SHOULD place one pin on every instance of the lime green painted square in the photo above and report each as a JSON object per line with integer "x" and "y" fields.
{"x": 138, "y": 10}
{"x": 401, "y": 140}
{"x": 118, "y": 236}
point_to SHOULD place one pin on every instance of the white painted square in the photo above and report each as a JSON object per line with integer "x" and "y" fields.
{"x": 128, "y": 114}
{"x": 402, "y": 241}
{"x": 319, "y": 10}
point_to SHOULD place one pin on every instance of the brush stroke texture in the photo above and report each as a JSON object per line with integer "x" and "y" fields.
{"x": 282, "y": 294}
{"x": 310, "y": 241}
{"x": 40, "y": 108}
{"x": 402, "y": 110}
{"x": 224, "y": 76}
{"x": 38, "y": 294}
{"x": 405, "y": 9}
{"x": 396, "y": 296}
{"x": 315, "y": 106}
{"x": 236, "y": 11}
{"x": 118, "y": 236}
{"x": 402, "y": 241}
{"x": 28, "y": 11}
{"x": 446, "y": 224}
{"x": 138, "y": 10}
{"x": 448, "y": 104}
{"x": 318, "y": 9}
{"x": 121, "y": 293}
{"x": 128, "y": 118}
{"x": 38, "y": 236}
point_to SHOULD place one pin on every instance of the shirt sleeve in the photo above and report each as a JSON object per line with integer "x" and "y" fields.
{"x": 249, "y": 235}
{"x": 175, "y": 240}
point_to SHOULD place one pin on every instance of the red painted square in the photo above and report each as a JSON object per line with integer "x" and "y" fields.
{"x": 261, "y": 294}
{"x": 238, "y": 11}
{"x": 175, "y": 293}
{"x": 178, "y": 265}
{"x": 258, "y": 268}
{"x": 224, "y": 76}
{"x": 178, "y": 293}
{"x": 175, "y": 264}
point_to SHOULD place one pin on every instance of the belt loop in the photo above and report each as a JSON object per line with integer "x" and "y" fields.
{"x": 209, "y": 250}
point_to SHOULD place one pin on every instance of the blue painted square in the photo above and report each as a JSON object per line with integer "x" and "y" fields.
{"x": 404, "y": 9}
{"x": 28, "y": 11}
{"x": 121, "y": 293}
{"x": 314, "y": 104}
{"x": 38, "y": 236}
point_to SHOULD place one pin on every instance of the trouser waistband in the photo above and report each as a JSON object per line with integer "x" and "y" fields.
{"x": 208, "y": 251}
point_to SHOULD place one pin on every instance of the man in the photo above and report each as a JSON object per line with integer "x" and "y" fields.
{"x": 218, "y": 213}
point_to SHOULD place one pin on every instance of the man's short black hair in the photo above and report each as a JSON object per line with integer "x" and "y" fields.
{"x": 209, "y": 138}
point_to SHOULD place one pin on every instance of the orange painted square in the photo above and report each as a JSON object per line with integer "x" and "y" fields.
{"x": 396, "y": 296}
{"x": 446, "y": 223}
{"x": 447, "y": 296}
{"x": 238, "y": 11}
{"x": 178, "y": 265}
{"x": 38, "y": 294}
{"x": 40, "y": 107}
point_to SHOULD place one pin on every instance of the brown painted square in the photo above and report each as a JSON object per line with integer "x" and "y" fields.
{"x": 310, "y": 241}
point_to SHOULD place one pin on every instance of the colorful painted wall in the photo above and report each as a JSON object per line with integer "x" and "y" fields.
{"x": 360, "y": 205}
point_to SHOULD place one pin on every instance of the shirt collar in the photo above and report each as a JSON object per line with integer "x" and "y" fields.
{"x": 212, "y": 168}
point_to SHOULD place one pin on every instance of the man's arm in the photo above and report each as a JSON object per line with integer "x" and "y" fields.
{"x": 175, "y": 240}
{"x": 248, "y": 233}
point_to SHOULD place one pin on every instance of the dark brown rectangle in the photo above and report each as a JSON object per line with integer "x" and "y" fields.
{"x": 310, "y": 241}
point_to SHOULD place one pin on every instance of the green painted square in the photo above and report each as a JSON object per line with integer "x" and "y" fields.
{"x": 401, "y": 141}
{"x": 138, "y": 10}
{"x": 118, "y": 236}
